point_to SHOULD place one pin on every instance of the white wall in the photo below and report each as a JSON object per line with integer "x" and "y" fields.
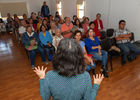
{"x": 32, "y": 5}
{"x": 112, "y": 11}
{"x": 128, "y": 10}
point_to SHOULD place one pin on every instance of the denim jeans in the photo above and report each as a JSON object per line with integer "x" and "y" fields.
{"x": 126, "y": 48}
{"x": 47, "y": 50}
{"x": 32, "y": 55}
{"x": 103, "y": 57}
{"x": 89, "y": 67}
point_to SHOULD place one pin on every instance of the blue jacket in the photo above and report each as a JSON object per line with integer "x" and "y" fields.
{"x": 45, "y": 40}
{"x": 26, "y": 39}
{"x": 89, "y": 44}
{"x": 45, "y": 11}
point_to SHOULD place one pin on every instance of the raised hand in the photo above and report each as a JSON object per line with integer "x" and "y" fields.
{"x": 40, "y": 72}
{"x": 98, "y": 78}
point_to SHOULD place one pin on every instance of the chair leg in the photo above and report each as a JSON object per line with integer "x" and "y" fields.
{"x": 27, "y": 53}
{"x": 111, "y": 63}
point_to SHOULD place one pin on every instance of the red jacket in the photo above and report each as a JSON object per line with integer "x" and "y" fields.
{"x": 97, "y": 32}
{"x": 96, "y": 24}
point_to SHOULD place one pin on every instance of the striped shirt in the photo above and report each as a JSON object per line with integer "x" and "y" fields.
{"x": 121, "y": 32}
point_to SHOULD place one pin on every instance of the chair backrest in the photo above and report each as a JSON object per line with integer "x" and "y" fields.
{"x": 132, "y": 38}
{"x": 110, "y": 32}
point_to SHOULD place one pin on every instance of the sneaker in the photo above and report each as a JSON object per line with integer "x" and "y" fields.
{"x": 46, "y": 62}
{"x": 33, "y": 66}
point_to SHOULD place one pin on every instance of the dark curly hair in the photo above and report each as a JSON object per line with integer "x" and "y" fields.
{"x": 68, "y": 60}
{"x": 77, "y": 31}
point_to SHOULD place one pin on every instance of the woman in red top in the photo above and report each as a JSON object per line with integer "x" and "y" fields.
{"x": 85, "y": 26}
{"x": 98, "y": 22}
{"x": 97, "y": 32}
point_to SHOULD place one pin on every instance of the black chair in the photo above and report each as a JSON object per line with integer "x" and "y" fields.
{"x": 106, "y": 45}
{"x": 103, "y": 34}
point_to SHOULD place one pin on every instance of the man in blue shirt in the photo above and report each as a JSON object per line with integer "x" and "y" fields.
{"x": 45, "y": 10}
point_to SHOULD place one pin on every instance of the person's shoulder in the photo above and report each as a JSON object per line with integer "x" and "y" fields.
{"x": 25, "y": 33}
{"x": 82, "y": 42}
{"x": 87, "y": 39}
{"x": 96, "y": 38}
{"x": 86, "y": 75}
{"x": 51, "y": 74}
{"x": 94, "y": 20}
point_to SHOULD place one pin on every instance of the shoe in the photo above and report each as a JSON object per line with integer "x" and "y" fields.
{"x": 130, "y": 59}
{"x": 105, "y": 67}
{"x": 104, "y": 71}
{"x": 123, "y": 62}
{"x": 105, "y": 74}
{"x": 93, "y": 71}
{"x": 33, "y": 66}
{"x": 46, "y": 62}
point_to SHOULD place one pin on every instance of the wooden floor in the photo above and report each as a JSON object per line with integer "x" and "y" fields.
{"x": 19, "y": 82}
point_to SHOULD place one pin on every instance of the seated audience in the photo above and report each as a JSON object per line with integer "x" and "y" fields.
{"x": 39, "y": 15}
{"x": 74, "y": 19}
{"x": 52, "y": 29}
{"x": 22, "y": 28}
{"x": 2, "y": 26}
{"x": 93, "y": 47}
{"x": 32, "y": 25}
{"x": 51, "y": 18}
{"x": 16, "y": 24}
{"x": 32, "y": 44}
{"x": 85, "y": 25}
{"x": 9, "y": 22}
{"x": 88, "y": 60}
{"x": 57, "y": 16}
{"x": 97, "y": 32}
{"x": 57, "y": 38}
{"x": 25, "y": 18}
{"x": 68, "y": 80}
{"x": 98, "y": 22}
{"x": 45, "y": 23}
{"x": 46, "y": 42}
{"x": 123, "y": 42}
{"x": 35, "y": 20}
{"x": 39, "y": 25}
{"x": 78, "y": 26}
{"x": 66, "y": 28}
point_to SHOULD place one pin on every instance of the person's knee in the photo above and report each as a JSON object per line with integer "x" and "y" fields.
{"x": 105, "y": 53}
{"x": 32, "y": 52}
{"x": 126, "y": 51}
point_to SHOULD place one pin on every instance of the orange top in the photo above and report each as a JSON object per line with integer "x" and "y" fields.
{"x": 64, "y": 28}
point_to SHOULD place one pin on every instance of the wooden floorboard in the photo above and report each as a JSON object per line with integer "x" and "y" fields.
{"x": 19, "y": 82}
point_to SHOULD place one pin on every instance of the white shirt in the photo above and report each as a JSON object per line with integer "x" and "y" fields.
{"x": 98, "y": 24}
{"x": 22, "y": 30}
{"x": 31, "y": 34}
{"x": 121, "y": 32}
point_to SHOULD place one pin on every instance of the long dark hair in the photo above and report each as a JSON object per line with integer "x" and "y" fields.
{"x": 80, "y": 24}
{"x": 68, "y": 59}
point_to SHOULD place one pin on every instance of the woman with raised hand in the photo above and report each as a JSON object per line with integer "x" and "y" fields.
{"x": 68, "y": 80}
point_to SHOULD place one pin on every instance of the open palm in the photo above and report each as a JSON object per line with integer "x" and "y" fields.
{"x": 98, "y": 78}
{"x": 40, "y": 72}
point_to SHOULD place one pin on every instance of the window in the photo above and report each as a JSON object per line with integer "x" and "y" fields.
{"x": 59, "y": 7}
{"x": 80, "y": 8}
